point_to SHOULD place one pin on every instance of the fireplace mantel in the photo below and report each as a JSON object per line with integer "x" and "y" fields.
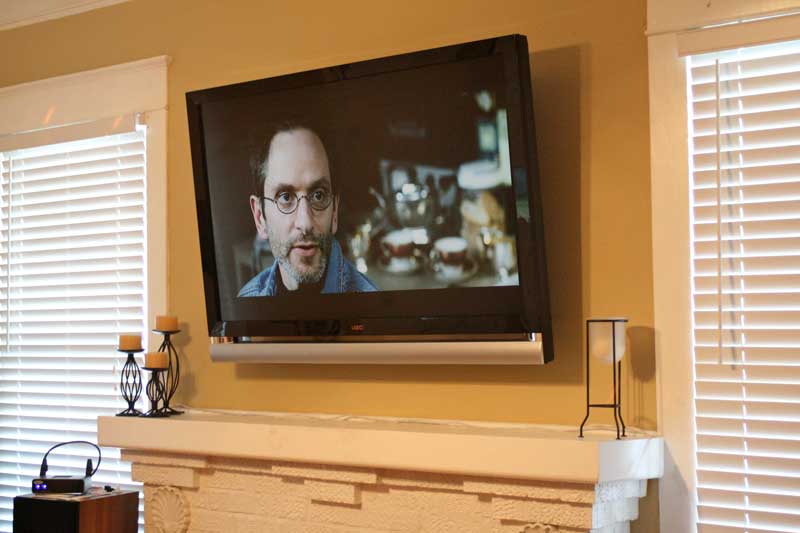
{"x": 521, "y": 475}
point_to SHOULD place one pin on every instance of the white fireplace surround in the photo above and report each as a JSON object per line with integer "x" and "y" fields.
{"x": 220, "y": 471}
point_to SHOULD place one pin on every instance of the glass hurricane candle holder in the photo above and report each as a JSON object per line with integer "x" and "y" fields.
{"x": 605, "y": 342}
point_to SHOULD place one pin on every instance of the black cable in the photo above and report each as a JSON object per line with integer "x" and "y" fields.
{"x": 43, "y": 467}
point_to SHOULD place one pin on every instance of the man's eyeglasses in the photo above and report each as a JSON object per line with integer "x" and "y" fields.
{"x": 287, "y": 202}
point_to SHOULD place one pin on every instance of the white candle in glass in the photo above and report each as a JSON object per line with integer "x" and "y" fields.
{"x": 600, "y": 335}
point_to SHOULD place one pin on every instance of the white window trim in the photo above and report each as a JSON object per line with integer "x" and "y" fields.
{"x": 135, "y": 87}
{"x": 671, "y": 16}
{"x": 669, "y": 175}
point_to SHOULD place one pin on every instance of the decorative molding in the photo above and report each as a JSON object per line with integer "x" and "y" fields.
{"x": 238, "y": 495}
{"x": 386, "y": 475}
{"x": 169, "y": 511}
{"x": 16, "y": 13}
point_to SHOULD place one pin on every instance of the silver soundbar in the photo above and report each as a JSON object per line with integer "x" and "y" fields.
{"x": 522, "y": 349}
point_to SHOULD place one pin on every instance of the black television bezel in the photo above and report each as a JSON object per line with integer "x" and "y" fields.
{"x": 530, "y": 300}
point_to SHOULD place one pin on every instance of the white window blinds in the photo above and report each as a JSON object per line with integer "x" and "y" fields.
{"x": 72, "y": 278}
{"x": 744, "y": 124}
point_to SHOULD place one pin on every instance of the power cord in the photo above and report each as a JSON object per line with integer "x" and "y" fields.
{"x": 89, "y": 470}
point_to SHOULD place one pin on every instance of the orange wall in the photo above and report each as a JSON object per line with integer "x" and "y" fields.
{"x": 589, "y": 64}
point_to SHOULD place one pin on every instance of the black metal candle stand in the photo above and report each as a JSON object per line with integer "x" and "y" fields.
{"x": 173, "y": 377}
{"x": 130, "y": 383}
{"x": 155, "y": 393}
{"x": 617, "y": 371}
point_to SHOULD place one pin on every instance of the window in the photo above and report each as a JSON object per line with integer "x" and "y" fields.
{"x": 72, "y": 278}
{"x": 744, "y": 123}
{"x": 82, "y": 259}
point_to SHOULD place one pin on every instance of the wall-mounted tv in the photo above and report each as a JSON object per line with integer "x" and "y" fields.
{"x": 384, "y": 211}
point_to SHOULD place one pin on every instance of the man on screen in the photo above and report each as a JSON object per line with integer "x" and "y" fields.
{"x": 296, "y": 208}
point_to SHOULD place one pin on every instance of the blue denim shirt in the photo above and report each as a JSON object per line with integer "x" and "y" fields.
{"x": 342, "y": 276}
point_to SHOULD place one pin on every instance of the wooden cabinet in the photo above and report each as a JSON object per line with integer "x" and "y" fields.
{"x": 96, "y": 512}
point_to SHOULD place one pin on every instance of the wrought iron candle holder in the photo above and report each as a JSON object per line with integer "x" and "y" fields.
{"x": 608, "y": 349}
{"x": 173, "y": 376}
{"x": 156, "y": 393}
{"x": 130, "y": 383}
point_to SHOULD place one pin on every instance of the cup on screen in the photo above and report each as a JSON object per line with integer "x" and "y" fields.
{"x": 398, "y": 243}
{"x": 449, "y": 256}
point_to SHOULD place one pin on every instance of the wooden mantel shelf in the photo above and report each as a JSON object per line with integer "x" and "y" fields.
{"x": 516, "y": 451}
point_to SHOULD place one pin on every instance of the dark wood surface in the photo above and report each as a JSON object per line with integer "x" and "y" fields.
{"x": 96, "y": 512}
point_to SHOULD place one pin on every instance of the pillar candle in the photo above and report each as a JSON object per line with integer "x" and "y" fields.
{"x": 167, "y": 323}
{"x": 130, "y": 341}
{"x": 155, "y": 360}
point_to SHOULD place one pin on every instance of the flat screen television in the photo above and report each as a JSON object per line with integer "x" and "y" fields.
{"x": 384, "y": 211}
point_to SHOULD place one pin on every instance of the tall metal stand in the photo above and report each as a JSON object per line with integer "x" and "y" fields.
{"x": 173, "y": 376}
{"x": 617, "y": 371}
{"x": 130, "y": 383}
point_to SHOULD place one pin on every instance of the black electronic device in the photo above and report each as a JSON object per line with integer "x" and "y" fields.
{"x": 45, "y": 484}
{"x": 427, "y": 218}
{"x": 61, "y": 484}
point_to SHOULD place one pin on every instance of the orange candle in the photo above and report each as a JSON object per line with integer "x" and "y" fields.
{"x": 130, "y": 341}
{"x": 166, "y": 323}
{"x": 155, "y": 360}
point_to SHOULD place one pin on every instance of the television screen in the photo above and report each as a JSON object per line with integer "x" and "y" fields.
{"x": 382, "y": 192}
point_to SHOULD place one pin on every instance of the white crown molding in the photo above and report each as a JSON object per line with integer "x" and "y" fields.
{"x": 15, "y": 13}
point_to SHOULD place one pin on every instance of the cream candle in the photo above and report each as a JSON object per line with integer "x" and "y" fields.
{"x": 607, "y": 340}
{"x": 166, "y": 323}
{"x": 155, "y": 360}
{"x": 130, "y": 341}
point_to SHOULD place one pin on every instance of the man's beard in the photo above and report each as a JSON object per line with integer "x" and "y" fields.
{"x": 308, "y": 275}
